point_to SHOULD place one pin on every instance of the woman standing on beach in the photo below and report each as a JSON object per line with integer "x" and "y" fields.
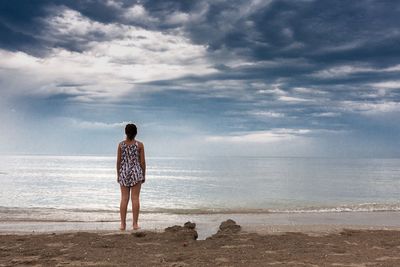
{"x": 131, "y": 170}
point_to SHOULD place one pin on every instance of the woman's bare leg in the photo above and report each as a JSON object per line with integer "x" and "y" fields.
{"x": 135, "y": 205}
{"x": 123, "y": 206}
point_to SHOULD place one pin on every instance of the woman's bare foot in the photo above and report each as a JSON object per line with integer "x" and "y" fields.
{"x": 136, "y": 226}
{"x": 122, "y": 227}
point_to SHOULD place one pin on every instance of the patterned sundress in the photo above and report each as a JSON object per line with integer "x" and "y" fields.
{"x": 130, "y": 172}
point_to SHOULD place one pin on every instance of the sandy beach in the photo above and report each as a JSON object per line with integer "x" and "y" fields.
{"x": 230, "y": 245}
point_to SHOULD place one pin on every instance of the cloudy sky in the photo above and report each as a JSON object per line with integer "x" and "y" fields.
{"x": 251, "y": 77}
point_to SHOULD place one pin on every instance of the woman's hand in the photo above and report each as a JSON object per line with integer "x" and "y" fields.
{"x": 142, "y": 160}
{"x": 118, "y": 161}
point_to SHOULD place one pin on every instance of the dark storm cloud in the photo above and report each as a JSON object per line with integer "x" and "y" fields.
{"x": 311, "y": 29}
{"x": 18, "y": 24}
{"x": 23, "y": 23}
{"x": 324, "y": 32}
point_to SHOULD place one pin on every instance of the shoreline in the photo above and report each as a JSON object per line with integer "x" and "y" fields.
{"x": 207, "y": 224}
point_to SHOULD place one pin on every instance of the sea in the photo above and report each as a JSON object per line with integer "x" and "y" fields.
{"x": 85, "y": 188}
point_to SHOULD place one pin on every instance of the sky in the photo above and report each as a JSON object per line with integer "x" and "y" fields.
{"x": 201, "y": 78}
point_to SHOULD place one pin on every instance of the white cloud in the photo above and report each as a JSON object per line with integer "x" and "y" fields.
{"x": 267, "y": 64}
{"x": 177, "y": 18}
{"x": 108, "y": 68}
{"x": 393, "y": 68}
{"x": 387, "y": 85}
{"x": 340, "y": 47}
{"x": 305, "y": 90}
{"x": 114, "y": 3}
{"x": 327, "y": 114}
{"x": 340, "y": 71}
{"x": 291, "y": 99}
{"x": 273, "y": 89}
{"x": 286, "y": 96}
{"x": 137, "y": 13}
{"x": 345, "y": 70}
{"x": 267, "y": 114}
{"x": 249, "y": 7}
{"x": 269, "y": 136}
{"x": 95, "y": 125}
{"x": 68, "y": 22}
{"x": 369, "y": 108}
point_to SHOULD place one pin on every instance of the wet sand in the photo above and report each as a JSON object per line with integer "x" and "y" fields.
{"x": 177, "y": 246}
{"x": 207, "y": 224}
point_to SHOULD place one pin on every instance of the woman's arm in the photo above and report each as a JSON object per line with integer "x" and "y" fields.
{"x": 142, "y": 160}
{"x": 118, "y": 161}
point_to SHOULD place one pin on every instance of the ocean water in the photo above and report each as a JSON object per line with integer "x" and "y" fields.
{"x": 84, "y": 188}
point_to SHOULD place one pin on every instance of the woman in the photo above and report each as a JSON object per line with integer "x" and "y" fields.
{"x": 131, "y": 169}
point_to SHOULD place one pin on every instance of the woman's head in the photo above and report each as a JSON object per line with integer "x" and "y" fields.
{"x": 130, "y": 131}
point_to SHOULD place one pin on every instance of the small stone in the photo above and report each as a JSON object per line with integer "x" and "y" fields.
{"x": 139, "y": 234}
{"x": 174, "y": 228}
{"x": 229, "y": 226}
{"x": 189, "y": 225}
{"x": 182, "y": 232}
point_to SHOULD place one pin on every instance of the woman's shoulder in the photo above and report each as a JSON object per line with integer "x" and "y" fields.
{"x": 121, "y": 143}
{"x": 140, "y": 144}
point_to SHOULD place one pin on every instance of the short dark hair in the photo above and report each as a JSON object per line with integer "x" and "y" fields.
{"x": 130, "y": 131}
